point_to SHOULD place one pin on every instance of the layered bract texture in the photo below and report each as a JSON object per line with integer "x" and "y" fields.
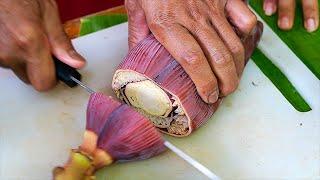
{"x": 122, "y": 132}
{"x": 153, "y": 82}
{"x": 115, "y": 132}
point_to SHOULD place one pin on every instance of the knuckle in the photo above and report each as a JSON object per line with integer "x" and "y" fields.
{"x": 310, "y": 11}
{"x": 228, "y": 59}
{"x": 135, "y": 17}
{"x": 250, "y": 21}
{"x": 208, "y": 86}
{"x": 28, "y": 37}
{"x": 217, "y": 21}
{"x": 223, "y": 59}
{"x": 237, "y": 48}
{"x": 200, "y": 27}
{"x": 197, "y": 16}
{"x": 131, "y": 6}
{"x": 160, "y": 20}
{"x": 192, "y": 58}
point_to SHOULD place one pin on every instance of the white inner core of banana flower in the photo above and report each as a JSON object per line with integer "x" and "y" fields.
{"x": 163, "y": 109}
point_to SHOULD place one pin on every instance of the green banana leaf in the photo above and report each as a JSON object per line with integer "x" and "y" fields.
{"x": 96, "y": 23}
{"x": 280, "y": 81}
{"x": 305, "y": 45}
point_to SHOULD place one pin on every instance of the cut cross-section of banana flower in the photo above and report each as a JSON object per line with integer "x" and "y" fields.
{"x": 152, "y": 81}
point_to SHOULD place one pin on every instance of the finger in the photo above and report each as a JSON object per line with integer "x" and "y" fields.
{"x": 286, "y": 14}
{"x": 17, "y": 66}
{"x": 311, "y": 14}
{"x": 20, "y": 71}
{"x": 138, "y": 27}
{"x": 241, "y": 16}
{"x": 233, "y": 44}
{"x": 186, "y": 50}
{"x": 42, "y": 72}
{"x": 251, "y": 42}
{"x": 270, "y": 7}
{"x": 61, "y": 46}
{"x": 39, "y": 63}
{"x": 218, "y": 55}
{"x": 4, "y": 63}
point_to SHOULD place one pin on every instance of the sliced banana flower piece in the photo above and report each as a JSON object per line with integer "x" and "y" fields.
{"x": 154, "y": 83}
{"x": 150, "y": 80}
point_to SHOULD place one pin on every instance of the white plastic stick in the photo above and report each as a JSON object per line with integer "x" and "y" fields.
{"x": 191, "y": 161}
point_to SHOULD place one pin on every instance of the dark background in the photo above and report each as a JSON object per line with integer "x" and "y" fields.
{"x": 71, "y": 9}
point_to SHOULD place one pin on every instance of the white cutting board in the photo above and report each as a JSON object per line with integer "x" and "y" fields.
{"x": 255, "y": 134}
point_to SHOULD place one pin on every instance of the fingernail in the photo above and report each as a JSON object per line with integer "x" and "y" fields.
{"x": 269, "y": 9}
{"x": 311, "y": 25}
{"x": 284, "y": 23}
{"x": 74, "y": 55}
{"x": 213, "y": 97}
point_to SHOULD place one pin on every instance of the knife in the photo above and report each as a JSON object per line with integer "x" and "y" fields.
{"x": 69, "y": 75}
{"x": 72, "y": 78}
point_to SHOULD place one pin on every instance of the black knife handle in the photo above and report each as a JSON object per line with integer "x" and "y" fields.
{"x": 64, "y": 72}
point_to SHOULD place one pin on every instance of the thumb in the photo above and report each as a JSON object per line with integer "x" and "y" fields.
{"x": 60, "y": 44}
{"x": 241, "y": 17}
{"x": 138, "y": 27}
{"x": 251, "y": 42}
